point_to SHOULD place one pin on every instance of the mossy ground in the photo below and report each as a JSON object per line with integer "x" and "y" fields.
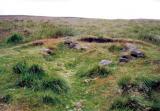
{"x": 95, "y": 95}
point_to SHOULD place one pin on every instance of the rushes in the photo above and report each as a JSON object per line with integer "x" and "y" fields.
{"x": 35, "y": 77}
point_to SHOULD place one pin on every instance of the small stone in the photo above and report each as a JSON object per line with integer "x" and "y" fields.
{"x": 74, "y": 45}
{"x": 70, "y": 43}
{"x": 89, "y": 80}
{"x": 77, "y": 46}
{"x": 48, "y": 51}
{"x": 105, "y": 62}
{"x": 79, "y": 105}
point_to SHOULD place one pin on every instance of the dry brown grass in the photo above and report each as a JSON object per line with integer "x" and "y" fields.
{"x": 50, "y": 43}
{"x": 5, "y": 107}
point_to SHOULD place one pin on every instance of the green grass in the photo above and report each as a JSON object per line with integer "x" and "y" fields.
{"x": 50, "y": 99}
{"x": 14, "y": 39}
{"x": 37, "y": 70}
{"x": 58, "y": 82}
{"x": 63, "y": 31}
{"x": 20, "y": 67}
{"x": 146, "y": 86}
{"x": 94, "y": 71}
{"x": 120, "y": 103}
{"x": 152, "y": 38}
{"x": 26, "y": 80}
{"x": 115, "y": 48}
{"x": 124, "y": 81}
{"x": 57, "y": 85}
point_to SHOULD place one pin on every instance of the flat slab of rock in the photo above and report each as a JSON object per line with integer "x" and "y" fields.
{"x": 105, "y": 62}
{"x": 124, "y": 58}
{"x": 137, "y": 54}
{"x": 132, "y": 52}
{"x": 74, "y": 45}
{"x": 70, "y": 44}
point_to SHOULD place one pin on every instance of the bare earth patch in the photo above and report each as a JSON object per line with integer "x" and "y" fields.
{"x": 6, "y": 107}
{"x": 111, "y": 40}
{"x": 51, "y": 42}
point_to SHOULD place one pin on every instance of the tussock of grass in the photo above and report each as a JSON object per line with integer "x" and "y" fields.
{"x": 50, "y": 99}
{"x": 134, "y": 104}
{"x": 14, "y": 39}
{"x": 155, "y": 106}
{"x": 94, "y": 71}
{"x": 143, "y": 84}
{"x": 34, "y": 77}
{"x": 23, "y": 67}
{"x": 151, "y": 82}
{"x": 144, "y": 87}
{"x": 29, "y": 76}
{"x": 120, "y": 103}
{"x": 26, "y": 80}
{"x": 36, "y": 70}
{"x": 57, "y": 85}
{"x": 127, "y": 103}
{"x": 20, "y": 67}
{"x": 124, "y": 81}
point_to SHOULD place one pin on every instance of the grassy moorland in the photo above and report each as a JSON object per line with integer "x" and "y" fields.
{"x": 47, "y": 64}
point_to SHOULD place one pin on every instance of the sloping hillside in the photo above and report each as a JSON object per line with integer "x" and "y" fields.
{"x": 78, "y": 64}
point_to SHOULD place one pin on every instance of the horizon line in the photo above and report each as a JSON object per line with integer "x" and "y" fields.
{"x": 79, "y": 17}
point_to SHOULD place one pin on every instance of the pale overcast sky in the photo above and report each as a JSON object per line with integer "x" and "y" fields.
{"x": 109, "y": 9}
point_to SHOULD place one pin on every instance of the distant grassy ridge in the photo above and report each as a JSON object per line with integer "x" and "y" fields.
{"x": 33, "y": 28}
